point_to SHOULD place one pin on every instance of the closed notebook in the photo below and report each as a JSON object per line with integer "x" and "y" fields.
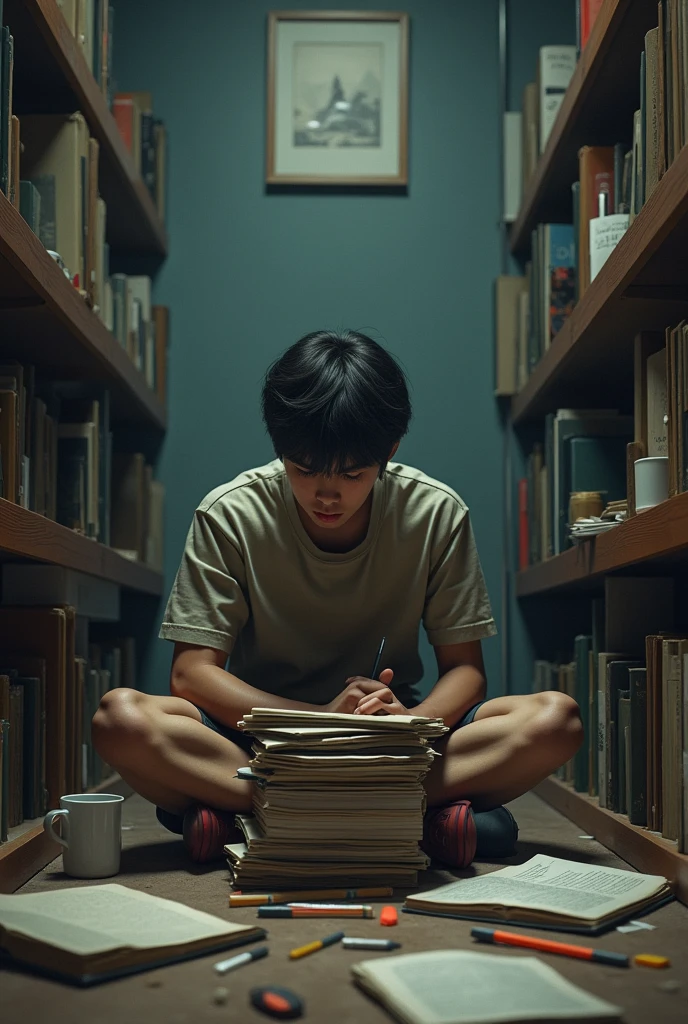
{"x": 456, "y": 986}
{"x": 547, "y": 892}
{"x": 90, "y": 934}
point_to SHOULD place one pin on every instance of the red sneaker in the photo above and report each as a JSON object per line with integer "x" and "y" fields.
{"x": 206, "y": 833}
{"x": 449, "y": 834}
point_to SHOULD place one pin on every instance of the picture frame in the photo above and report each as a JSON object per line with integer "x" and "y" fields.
{"x": 337, "y": 98}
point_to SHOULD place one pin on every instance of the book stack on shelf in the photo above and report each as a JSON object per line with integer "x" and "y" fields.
{"x": 146, "y": 139}
{"x": 83, "y": 380}
{"x": 627, "y": 676}
{"x": 42, "y": 681}
{"x": 614, "y": 170}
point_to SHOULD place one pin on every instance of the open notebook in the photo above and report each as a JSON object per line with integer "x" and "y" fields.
{"x": 93, "y": 933}
{"x": 547, "y": 892}
{"x": 450, "y": 986}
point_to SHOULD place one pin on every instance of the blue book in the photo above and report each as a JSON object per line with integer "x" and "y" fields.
{"x": 559, "y": 278}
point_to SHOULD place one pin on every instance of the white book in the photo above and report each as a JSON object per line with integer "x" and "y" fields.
{"x": 513, "y": 164}
{"x": 452, "y": 986}
{"x": 555, "y": 69}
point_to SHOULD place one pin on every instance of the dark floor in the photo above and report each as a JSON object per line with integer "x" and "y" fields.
{"x": 154, "y": 860}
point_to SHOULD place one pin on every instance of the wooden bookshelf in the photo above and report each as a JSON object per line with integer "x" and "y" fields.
{"x": 598, "y": 105}
{"x": 29, "y": 848}
{"x": 642, "y": 286}
{"x": 44, "y": 320}
{"x": 51, "y": 75}
{"x": 25, "y": 534}
{"x": 656, "y": 536}
{"x": 640, "y": 848}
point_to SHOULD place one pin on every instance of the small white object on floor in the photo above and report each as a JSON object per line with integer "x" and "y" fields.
{"x": 670, "y": 985}
{"x": 126, "y": 828}
{"x": 220, "y": 996}
{"x": 586, "y": 837}
{"x": 636, "y": 926}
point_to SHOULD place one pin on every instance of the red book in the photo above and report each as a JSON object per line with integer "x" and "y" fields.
{"x": 523, "y": 532}
{"x": 123, "y": 113}
{"x": 589, "y": 9}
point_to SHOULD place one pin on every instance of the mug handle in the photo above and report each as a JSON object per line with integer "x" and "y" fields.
{"x": 50, "y": 817}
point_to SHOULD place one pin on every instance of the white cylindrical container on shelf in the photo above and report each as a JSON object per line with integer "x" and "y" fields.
{"x": 651, "y": 482}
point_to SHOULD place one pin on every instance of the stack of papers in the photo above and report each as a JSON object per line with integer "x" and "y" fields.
{"x": 338, "y": 800}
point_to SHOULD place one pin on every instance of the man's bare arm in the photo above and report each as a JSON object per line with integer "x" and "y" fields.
{"x": 198, "y": 675}
{"x": 461, "y": 682}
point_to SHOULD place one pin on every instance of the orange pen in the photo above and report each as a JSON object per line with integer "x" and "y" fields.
{"x": 547, "y": 946}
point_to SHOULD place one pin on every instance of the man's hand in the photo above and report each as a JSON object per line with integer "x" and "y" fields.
{"x": 357, "y": 690}
{"x": 381, "y": 702}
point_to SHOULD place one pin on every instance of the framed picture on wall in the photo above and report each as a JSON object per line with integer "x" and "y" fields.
{"x": 337, "y": 97}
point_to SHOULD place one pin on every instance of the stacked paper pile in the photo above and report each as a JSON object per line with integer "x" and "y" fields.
{"x": 338, "y": 799}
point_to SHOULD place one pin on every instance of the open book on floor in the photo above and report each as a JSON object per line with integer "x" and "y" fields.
{"x": 451, "y": 986}
{"x": 547, "y": 892}
{"x": 94, "y": 933}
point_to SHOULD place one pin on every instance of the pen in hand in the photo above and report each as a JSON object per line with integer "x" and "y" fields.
{"x": 376, "y": 663}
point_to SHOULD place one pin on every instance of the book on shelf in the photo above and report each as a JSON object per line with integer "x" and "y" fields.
{"x": 86, "y": 935}
{"x": 146, "y": 139}
{"x": 556, "y": 65}
{"x": 508, "y": 292}
{"x": 596, "y": 175}
{"x": 51, "y": 683}
{"x": 420, "y": 988}
{"x": 586, "y": 16}
{"x": 89, "y": 21}
{"x": 530, "y": 153}
{"x": 548, "y": 892}
{"x": 512, "y": 165}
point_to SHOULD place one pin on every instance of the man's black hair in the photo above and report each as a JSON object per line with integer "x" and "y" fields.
{"x": 334, "y": 402}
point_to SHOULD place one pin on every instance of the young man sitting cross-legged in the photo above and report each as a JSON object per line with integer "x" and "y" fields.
{"x": 294, "y": 571}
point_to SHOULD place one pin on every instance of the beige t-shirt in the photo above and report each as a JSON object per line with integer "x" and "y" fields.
{"x": 297, "y": 621}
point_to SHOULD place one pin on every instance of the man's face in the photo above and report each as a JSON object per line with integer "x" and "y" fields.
{"x": 330, "y": 501}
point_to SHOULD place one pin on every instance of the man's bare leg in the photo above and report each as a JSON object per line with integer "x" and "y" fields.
{"x": 512, "y": 744}
{"x": 162, "y": 749}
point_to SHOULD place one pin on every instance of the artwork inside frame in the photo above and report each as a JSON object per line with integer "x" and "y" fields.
{"x": 337, "y": 98}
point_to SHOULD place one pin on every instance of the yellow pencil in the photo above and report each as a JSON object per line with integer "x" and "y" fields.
{"x": 249, "y": 899}
{"x": 313, "y": 947}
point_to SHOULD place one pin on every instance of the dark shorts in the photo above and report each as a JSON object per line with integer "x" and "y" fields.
{"x": 244, "y": 741}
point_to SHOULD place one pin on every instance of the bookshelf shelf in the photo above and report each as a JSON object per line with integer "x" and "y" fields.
{"x": 642, "y": 286}
{"x": 658, "y": 534}
{"x": 25, "y": 534}
{"x": 46, "y": 320}
{"x": 598, "y": 106}
{"x": 28, "y": 848}
{"x": 642, "y": 849}
{"x": 51, "y": 75}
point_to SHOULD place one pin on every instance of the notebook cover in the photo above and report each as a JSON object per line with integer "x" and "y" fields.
{"x": 87, "y": 980}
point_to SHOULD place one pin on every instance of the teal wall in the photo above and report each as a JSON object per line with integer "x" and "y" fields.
{"x": 249, "y": 272}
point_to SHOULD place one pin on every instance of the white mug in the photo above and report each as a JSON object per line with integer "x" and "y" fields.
{"x": 651, "y": 482}
{"x": 91, "y": 833}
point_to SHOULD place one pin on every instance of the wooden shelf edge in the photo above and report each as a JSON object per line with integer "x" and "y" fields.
{"x": 588, "y": 67}
{"x": 23, "y": 857}
{"x": 657, "y": 533}
{"x": 27, "y": 534}
{"x": 23, "y": 250}
{"x": 641, "y": 849}
{"x": 667, "y": 205}
{"x": 54, "y": 29}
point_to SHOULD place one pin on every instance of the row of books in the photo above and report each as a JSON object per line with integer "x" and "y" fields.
{"x": 614, "y": 182}
{"x": 51, "y": 682}
{"x": 627, "y": 676}
{"x": 57, "y": 459}
{"x": 91, "y": 23}
{"x": 145, "y": 136}
{"x": 584, "y": 450}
